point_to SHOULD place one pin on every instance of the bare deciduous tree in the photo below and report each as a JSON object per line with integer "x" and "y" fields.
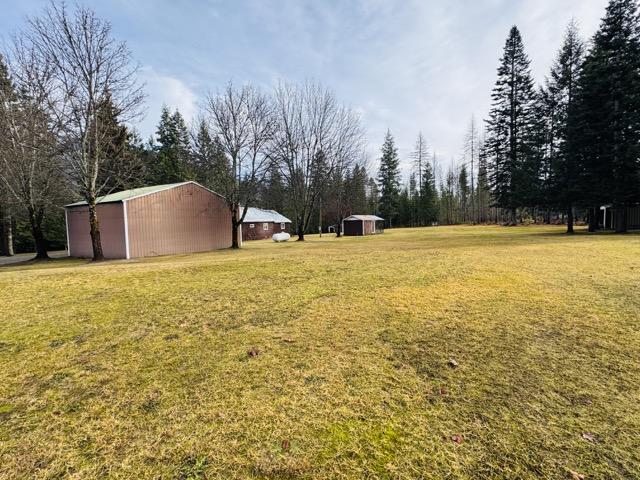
{"x": 30, "y": 159}
{"x": 314, "y": 137}
{"x": 242, "y": 120}
{"x": 420, "y": 157}
{"x": 471, "y": 152}
{"x": 92, "y": 73}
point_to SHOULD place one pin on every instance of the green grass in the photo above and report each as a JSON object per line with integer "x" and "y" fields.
{"x": 142, "y": 369}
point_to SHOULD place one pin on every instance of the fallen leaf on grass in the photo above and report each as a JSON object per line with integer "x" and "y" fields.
{"x": 589, "y": 437}
{"x": 576, "y": 475}
{"x": 286, "y": 445}
{"x": 456, "y": 438}
{"x": 453, "y": 363}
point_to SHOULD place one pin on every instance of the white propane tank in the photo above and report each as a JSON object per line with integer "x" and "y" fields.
{"x": 281, "y": 237}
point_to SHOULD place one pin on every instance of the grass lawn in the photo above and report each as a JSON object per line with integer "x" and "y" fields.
{"x": 329, "y": 359}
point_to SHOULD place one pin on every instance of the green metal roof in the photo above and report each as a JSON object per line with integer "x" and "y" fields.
{"x": 127, "y": 194}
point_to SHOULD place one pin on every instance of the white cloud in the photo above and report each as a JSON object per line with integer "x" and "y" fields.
{"x": 165, "y": 90}
{"x": 406, "y": 65}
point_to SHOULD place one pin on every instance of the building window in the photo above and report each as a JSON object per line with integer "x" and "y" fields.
{"x": 251, "y": 225}
{"x": 265, "y": 226}
{"x": 282, "y": 226}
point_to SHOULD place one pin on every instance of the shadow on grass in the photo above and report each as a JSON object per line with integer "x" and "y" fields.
{"x": 37, "y": 263}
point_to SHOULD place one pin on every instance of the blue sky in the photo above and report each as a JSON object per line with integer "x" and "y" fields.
{"x": 406, "y": 65}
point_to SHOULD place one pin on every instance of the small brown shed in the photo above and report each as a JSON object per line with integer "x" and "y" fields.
{"x": 358, "y": 225}
{"x": 160, "y": 220}
{"x": 259, "y": 224}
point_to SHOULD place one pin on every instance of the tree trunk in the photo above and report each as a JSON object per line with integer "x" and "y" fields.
{"x": 621, "y": 219}
{"x": 35, "y": 222}
{"x": 7, "y": 240}
{"x": 570, "y": 219}
{"x": 593, "y": 219}
{"x": 339, "y": 229}
{"x": 94, "y": 225}
{"x": 235, "y": 230}
{"x": 300, "y": 232}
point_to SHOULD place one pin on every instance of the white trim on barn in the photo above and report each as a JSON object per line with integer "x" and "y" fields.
{"x": 126, "y": 229}
{"x": 175, "y": 185}
{"x": 66, "y": 222}
{"x": 117, "y": 196}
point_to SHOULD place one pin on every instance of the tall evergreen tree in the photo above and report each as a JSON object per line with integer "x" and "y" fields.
{"x": 373, "y": 196}
{"x": 428, "y": 197}
{"x": 123, "y": 165}
{"x": 558, "y": 101}
{"x": 448, "y": 200}
{"x": 389, "y": 180}
{"x": 171, "y": 160}
{"x": 464, "y": 192}
{"x": 608, "y": 129}
{"x": 483, "y": 191}
{"x": 510, "y": 125}
{"x": 209, "y": 164}
{"x": 273, "y": 195}
{"x": 357, "y": 190}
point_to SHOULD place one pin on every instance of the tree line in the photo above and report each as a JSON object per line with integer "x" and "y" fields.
{"x": 70, "y": 95}
{"x": 571, "y": 143}
{"x": 563, "y": 149}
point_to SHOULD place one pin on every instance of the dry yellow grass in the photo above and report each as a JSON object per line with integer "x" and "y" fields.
{"x": 142, "y": 369}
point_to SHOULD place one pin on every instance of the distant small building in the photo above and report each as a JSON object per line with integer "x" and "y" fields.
{"x": 259, "y": 224}
{"x": 160, "y": 220}
{"x": 359, "y": 225}
{"x": 607, "y": 217}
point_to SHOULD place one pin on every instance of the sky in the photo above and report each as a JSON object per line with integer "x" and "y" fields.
{"x": 403, "y": 65}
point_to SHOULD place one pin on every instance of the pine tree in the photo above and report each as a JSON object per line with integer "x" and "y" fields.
{"x": 209, "y": 164}
{"x": 510, "y": 125}
{"x": 274, "y": 194}
{"x": 373, "y": 196}
{"x": 448, "y": 202}
{"x": 483, "y": 191}
{"x": 428, "y": 199}
{"x": 558, "y": 105}
{"x": 414, "y": 200}
{"x": 389, "y": 180}
{"x": 356, "y": 187}
{"x": 463, "y": 192}
{"x": 172, "y": 160}
{"x": 420, "y": 156}
{"x": 608, "y": 114}
{"x": 124, "y": 167}
{"x": 404, "y": 208}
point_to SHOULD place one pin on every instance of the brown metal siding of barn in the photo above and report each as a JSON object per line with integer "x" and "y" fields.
{"x": 184, "y": 219}
{"x": 111, "y": 220}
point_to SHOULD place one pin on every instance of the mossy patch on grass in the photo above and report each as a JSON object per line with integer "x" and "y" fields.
{"x": 6, "y": 409}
